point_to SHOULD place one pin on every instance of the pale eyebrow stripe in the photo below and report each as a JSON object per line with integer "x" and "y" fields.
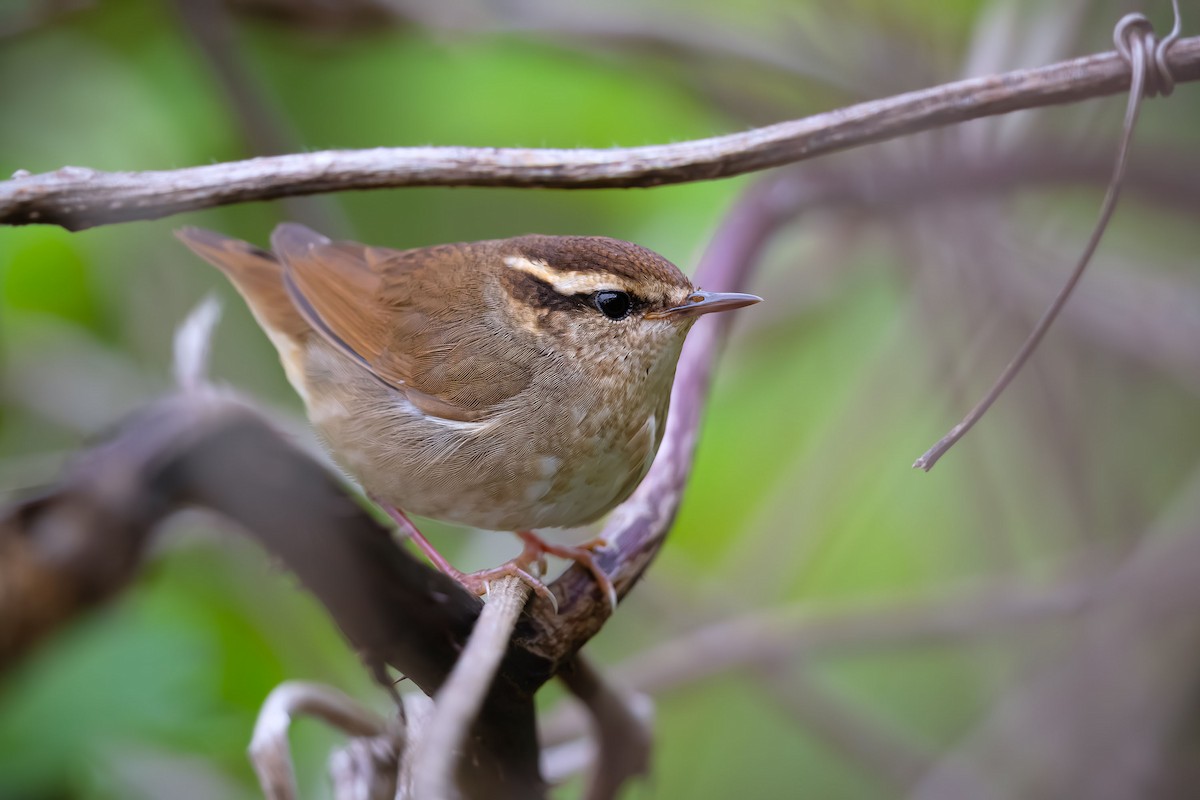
{"x": 566, "y": 282}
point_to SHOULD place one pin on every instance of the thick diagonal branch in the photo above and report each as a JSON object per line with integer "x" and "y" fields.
{"x": 81, "y": 542}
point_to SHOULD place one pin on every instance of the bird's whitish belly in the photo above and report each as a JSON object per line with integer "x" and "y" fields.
{"x": 495, "y": 474}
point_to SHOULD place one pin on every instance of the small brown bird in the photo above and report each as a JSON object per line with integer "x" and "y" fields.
{"x": 507, "y": 385}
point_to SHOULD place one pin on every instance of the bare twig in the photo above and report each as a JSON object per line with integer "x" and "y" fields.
{"x": 365, "y": 769}
{"x": 1136, "y": 51}
{"x": 461, "y": 696}
{"x": 269, "y": 749}
{"x": 77, "y": 197}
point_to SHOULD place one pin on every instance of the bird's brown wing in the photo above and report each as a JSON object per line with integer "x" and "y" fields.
{"x": 408, "y": 316}
{"x": 257, "y": 276}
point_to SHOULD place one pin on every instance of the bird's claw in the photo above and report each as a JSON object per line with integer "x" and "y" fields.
{"x": 581, "y": 554}
{"x": 480, "y": 582}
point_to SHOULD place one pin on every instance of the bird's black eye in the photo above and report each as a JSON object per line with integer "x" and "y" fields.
{"x": 614, "y": 305}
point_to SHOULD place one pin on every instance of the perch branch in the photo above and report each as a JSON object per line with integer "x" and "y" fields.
{"x": 461, "y": 696}
{"x": 78, "y": 197}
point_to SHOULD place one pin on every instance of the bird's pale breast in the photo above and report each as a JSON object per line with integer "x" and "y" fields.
{"x": 562, "y": 463}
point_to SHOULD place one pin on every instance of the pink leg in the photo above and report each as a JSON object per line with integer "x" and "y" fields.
{"x": 476, "y": 582}
{"x": 410, "y": 530}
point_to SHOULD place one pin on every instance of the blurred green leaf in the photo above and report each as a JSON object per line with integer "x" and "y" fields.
{"x": 43, "y": 270}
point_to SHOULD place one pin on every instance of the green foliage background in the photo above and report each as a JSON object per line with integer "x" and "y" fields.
{"x": 802, "y": 490}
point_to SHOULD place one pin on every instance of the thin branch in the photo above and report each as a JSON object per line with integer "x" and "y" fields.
{"x": 1139, "y": 82}
{"x": 459, "y": 700}
{"x": 621, "y": 727}
{"x": 366, "y": 768}
{"x": 78, "y": 197}
{"x": 269, "y": 750}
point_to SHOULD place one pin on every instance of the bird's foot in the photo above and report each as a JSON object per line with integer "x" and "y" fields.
{"x": 477, "y": 582}
{"x": 480, "y": 582}
{"x": 582, "y": 554}
{"x": 533, "y": 555}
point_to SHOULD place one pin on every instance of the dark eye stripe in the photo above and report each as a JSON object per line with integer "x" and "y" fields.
{"x": 538, "y": 294}
{"x": 535, "y": 292}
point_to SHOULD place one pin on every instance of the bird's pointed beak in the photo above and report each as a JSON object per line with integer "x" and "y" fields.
{"x": 700, "y": 302}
